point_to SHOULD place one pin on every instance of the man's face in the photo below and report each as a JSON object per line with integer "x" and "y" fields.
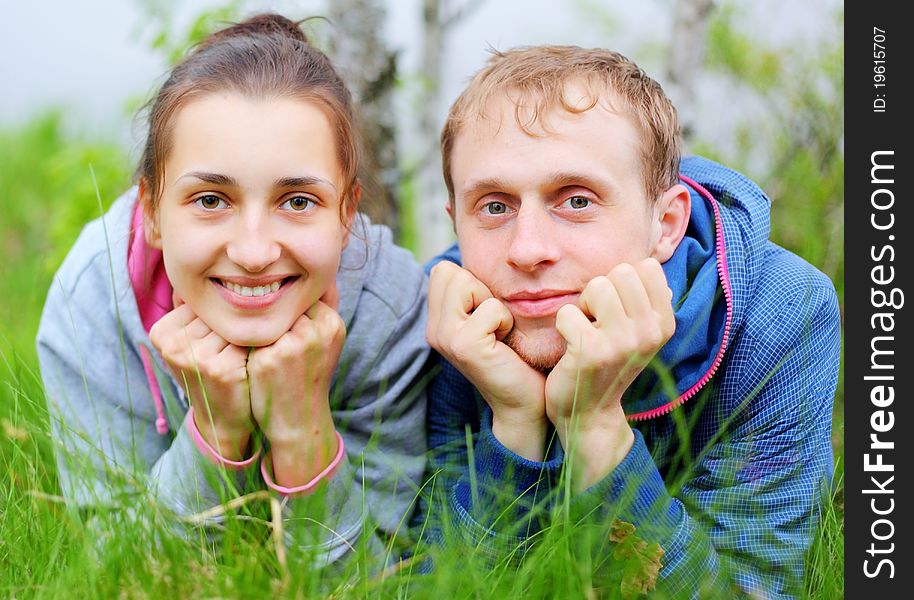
{"x": 538, "y": 217}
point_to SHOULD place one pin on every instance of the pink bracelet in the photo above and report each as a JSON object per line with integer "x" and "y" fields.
{"x": 210, "y": 452}
{"x": 308, "y": 488}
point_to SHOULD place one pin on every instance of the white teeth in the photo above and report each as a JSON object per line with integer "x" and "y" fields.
{"x": 260, "y": 290}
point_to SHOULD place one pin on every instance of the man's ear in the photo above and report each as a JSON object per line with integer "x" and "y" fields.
{"x": 671, "y": 219}
{"x": 449, "y": 209}
{"x": 150, "y": 221}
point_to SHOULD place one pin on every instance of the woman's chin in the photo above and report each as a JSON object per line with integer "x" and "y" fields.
{"x": 251, "y": 339}
{"x": 252, "y": 332}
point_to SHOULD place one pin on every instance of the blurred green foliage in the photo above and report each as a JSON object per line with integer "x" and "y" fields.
{"x": 797, "y": 138}
{"x": 799, "y": 133}
{"x": 173, "y": 41}
{"x": 47, "y": 193}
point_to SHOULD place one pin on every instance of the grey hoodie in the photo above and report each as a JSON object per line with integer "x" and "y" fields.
{"x": 103, "y": 415}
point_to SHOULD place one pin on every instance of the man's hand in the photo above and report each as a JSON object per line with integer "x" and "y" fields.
{"x": 290, "y": 387}
{"x": 214, "y": 377}
{"x": 619, "y": 324}
{"x": 466, "y": 325}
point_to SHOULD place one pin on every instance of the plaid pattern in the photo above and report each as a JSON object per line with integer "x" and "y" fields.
{"x": 729, "y": 483}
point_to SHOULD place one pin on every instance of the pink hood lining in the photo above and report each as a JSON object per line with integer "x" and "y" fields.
{"x": 153, "y": 292}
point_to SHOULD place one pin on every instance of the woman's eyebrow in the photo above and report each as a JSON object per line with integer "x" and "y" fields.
{"x": 303, "y": 181}
{"x": 213, "y": 178}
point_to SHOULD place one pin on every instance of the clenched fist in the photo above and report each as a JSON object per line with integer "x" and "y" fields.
{"x": 213, "y": 373}
{"x": 466, "y": 325}
{"x": 290, "y": 392}
{"x": 620, "y": 322}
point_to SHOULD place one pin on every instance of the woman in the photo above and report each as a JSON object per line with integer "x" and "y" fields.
{"x": 239, "y": 280}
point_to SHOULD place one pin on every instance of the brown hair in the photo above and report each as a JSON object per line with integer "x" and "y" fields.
{"x": 266, "y": 55}
{"x": 537, "y": 78}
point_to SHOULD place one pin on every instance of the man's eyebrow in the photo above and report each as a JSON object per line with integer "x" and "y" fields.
{"x": 303, "y": 181}
{"x": 558, "y": 179}
{"x": 488, "y": 184}
{"x": 570, "y": 178}
{"x": 213, "y": 178}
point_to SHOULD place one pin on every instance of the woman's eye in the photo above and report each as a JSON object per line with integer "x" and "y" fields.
{"x": 495, "y": 208}
{"x": 211, "y": 202}
{"x": 298, "y": 203}
{"x": 578, "y": 202}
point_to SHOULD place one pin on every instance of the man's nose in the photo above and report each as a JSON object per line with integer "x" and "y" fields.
{"x": 254, "y": 245}
{"x": 533, "y": 240}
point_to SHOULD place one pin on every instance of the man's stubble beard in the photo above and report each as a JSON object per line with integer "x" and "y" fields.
{"x": 542, "y": 356}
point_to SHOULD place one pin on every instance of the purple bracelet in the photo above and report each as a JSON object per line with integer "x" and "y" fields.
{"x": 308, "y": 488}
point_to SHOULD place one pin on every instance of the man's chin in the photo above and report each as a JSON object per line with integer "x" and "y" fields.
{"x": 541, "y": 351}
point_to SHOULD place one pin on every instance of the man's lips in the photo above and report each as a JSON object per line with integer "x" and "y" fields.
{"x": 539, "y": 304}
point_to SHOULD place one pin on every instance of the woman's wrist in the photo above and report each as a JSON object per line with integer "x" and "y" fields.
{"x": 268, "y": 472}
{"x": 223, "y": 448}
{"x": 299, "y": 454}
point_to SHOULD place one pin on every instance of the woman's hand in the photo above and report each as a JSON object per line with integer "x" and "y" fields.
{"x": 213, "y": 373}
{"x": 290, "y": 386}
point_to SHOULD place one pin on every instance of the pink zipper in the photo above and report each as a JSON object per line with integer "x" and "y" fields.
{"x": 728, "y": 296}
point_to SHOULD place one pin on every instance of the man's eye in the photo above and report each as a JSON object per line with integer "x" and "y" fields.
{"x": 495, "y": 208}
{"x": 210, "y": 202}
{"x": 298, "y": 203}
{"x": 578, "y": 202}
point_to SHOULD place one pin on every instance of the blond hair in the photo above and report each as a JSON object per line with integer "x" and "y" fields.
{"x": 537, "y": 80}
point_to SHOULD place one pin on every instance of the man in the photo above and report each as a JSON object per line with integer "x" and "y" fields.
{"x": 619, "y": 318}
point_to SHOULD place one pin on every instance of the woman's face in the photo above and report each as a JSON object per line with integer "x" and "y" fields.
{"x": 249, "y": 217}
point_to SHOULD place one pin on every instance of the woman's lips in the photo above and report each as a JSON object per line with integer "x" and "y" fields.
{"x": 542, "y": 305}
{"x": 267, "y": 296}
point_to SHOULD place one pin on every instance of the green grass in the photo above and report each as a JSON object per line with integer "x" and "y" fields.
{"x": 50, "y": 550}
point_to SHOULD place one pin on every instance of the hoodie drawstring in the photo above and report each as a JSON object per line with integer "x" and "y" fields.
{"x": 161, "y": 422}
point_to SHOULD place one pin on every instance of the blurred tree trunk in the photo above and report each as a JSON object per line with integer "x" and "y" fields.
{"x": 439, "y": 17}
{"x": 687, "y": 56}
{"x": 370, "y": 70}
{"x": 435, "y": 227}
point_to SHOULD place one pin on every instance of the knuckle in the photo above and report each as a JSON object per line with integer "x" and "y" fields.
{"x": 564, "y": 313}
{"x": 601, "y": 282}
{"x": 653, "y": 339}
{"x": 649, "y": 265}
{"x": 442, "y": 269}
{"x": 622, "y": 270}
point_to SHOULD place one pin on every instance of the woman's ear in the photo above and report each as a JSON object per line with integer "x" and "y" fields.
{"x": 671, "y": 219}
{"x": 352, "y": 208}
{"x": 150, "y": 221}
{"x": 348, "y": 212}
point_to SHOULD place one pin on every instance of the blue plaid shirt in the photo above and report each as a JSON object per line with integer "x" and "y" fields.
{"x": 729, "y": 482}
